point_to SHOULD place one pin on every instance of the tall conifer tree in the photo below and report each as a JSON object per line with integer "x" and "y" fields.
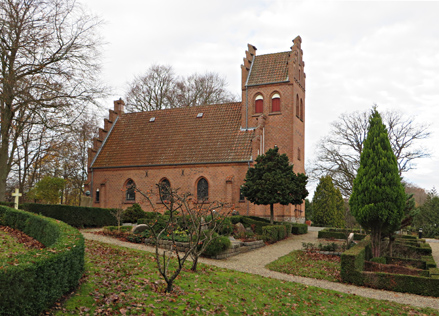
{"x": 272, "y": 180}
{"x": 378, "y": 197}
{"x": 328, "y": 204}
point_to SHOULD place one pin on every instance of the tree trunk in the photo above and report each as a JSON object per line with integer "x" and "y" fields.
{"x": 169, "y": 286}
{"x": 194, "y": 264}
{"x": 4, "y": 170}
{"x": 271, "y": 214}
{"x": 376, "y": 242}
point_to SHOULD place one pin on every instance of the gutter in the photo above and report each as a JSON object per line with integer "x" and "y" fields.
{"x": 173, "y": 164}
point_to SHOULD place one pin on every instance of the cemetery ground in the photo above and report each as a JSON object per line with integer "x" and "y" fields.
{"x": 120, "y": 280}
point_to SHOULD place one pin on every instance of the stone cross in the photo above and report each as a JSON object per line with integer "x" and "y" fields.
{"x": 16, "y": 194}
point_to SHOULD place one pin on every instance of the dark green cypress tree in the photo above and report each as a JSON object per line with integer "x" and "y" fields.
{"x": 327, "y": 204}
{"x": 378, "y": 198}
{"x": 272, "y": 180}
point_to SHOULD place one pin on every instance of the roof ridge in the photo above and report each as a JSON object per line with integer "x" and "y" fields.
{"x": 187, "y": 107}
{"x": 273, "y": 53}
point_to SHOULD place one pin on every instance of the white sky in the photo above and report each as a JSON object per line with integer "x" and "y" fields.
{"x": 356, "y": 53}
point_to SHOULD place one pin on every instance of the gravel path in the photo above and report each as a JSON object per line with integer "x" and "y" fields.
{"x": 254, "y": 262}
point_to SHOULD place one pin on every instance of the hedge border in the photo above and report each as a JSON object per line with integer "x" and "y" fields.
{"x": 352, "y": 271}
{"x": 76, "y": 216}
{"x": 38, "y": 278}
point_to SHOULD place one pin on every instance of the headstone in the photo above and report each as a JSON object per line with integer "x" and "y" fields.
{"x": 203, "y": 225}
{"x": 17, "y": 195}
{"x": 86, "y": 201}
{"x": 239, "y": 229}
{"x": 139, "y": 228}
{"x": 350, "y": 238}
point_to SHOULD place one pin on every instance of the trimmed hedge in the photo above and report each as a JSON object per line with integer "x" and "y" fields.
{"x": 76, "y": 216}
{"x": 273, "y": 233}
{"x": 352, "y": 271}
{"x": 299, "y": 229}
{"x": 38, "y": 278}
{"x": 339, "y": 233}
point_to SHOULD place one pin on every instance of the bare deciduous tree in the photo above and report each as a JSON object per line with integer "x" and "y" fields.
{"x": 159, "y": 88}
{"x": 155, "y": 90}
{"x": 338, "y": 154}
{"x": 203, "y": 221}
{"x": 49, "y": 65}
{"x": 198, "y": 89}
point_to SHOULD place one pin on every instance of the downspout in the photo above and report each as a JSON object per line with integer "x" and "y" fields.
{"x": 91, "y": 189}
{"x": 248, "y": 203}
{"x": 263, "y": 140}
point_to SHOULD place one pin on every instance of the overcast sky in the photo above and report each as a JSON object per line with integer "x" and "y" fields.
{"x": 356, "y": 53}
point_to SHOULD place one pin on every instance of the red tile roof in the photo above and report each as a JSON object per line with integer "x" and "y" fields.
{"x": 177, "y": 136}
{"x": 269, "y": 68}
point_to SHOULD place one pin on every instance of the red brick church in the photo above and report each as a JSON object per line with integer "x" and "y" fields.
{"x": 206, "y": 150}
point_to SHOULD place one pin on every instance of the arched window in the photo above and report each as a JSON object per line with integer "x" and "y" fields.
{"x": 165, "y": 189}
{"x": 202, "y": 189}
{"x": 130, "y": 192}
{"x": 259, "y": 104}
{"x": 298, "y": 154}
{"x": 275, "y": 103}
{"x": 97, "y": 196}
{"x": 297, "y": 106}
{"x": 301, "y": 109}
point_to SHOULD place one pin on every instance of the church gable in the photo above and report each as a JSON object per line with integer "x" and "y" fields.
{"x": 191, "y": 135}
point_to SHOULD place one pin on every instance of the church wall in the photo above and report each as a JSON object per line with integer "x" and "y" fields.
{"x": 224, "y": 185}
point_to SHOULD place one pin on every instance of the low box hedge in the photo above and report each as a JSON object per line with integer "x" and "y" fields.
{"x": 76, "y": 216}
{"x": 352, "y": 271}
{"x": 35, "y": 280}
{"x": 299, "y": 229}
{"x": 273, "y": 233}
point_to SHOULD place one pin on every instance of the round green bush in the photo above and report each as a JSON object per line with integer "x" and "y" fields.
{"x": 132, "y": 214}
{"x": 217, "y": 245}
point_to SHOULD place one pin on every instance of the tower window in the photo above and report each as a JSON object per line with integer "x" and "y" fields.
{"x": 301, "y": 109}
{"x": 202, "y": 189}
{"x": 259, "y": 104}
{"x": 299, "y": 154}
{"x": 275, "y": 103}
{"x": 297, "y": 106}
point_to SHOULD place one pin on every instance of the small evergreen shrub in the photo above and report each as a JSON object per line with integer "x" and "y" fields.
{"x": 217, "y": 245}
{"x": 132, "y": 214}
{"x": 379, "y": 260}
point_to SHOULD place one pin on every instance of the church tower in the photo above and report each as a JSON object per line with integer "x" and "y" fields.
{"x": 273, "y": 99}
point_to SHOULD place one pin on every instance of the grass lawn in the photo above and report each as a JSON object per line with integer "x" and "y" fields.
{"x": 121, "y": 281}
{"x": 310, "y": 265}
{"x": 9, "y": 246}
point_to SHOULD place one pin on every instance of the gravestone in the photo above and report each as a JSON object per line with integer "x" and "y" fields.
{"x": 139, "y": 228}
{"x": 17, "y": 195}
